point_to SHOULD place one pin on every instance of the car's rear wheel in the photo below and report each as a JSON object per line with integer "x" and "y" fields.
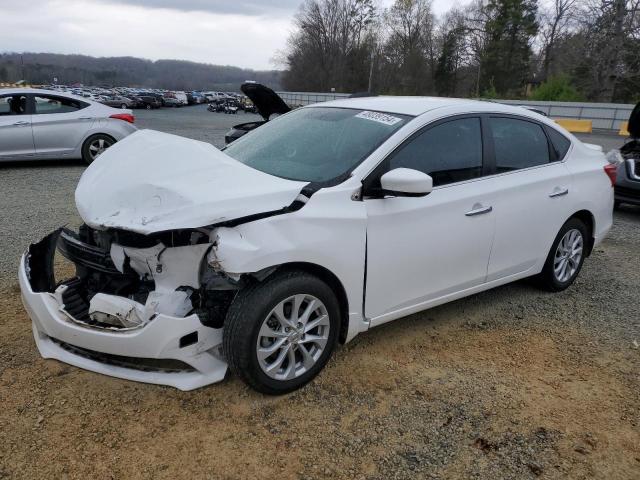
{"x": 566, "y": 256}
{"x": 280, "y": 333}
{"x": 95, "y": 145}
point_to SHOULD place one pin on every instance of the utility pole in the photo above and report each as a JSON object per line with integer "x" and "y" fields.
{"x": 373, "y": 52}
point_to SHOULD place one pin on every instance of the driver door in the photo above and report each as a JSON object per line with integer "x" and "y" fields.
{"x": 423, "y": 250}
{"x": 16, "y": 138}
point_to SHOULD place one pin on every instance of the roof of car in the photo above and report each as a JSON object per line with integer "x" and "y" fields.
{"x": 401, "y": 105}
{"x": 13, "y": 91}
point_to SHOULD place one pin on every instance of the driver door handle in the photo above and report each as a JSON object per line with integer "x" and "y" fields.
{"x": 22, "y": 123}
{"x": 479, "y": 210}
{"x": 558, "y": 192}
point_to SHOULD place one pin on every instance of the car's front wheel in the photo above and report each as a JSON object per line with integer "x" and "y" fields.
{"x": 95, "y": 145}
{"x": 280, "y": 333}
{"x": 566, "y": 256}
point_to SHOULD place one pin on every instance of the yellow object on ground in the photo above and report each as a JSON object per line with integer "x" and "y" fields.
{"x": 624, "y": 129}
{"x": 575, "y": 126}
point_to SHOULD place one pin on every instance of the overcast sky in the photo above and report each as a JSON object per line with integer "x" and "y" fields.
{"x": 245, "y": 33}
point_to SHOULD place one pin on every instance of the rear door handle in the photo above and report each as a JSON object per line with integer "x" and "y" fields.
{"x": 85, "y": 118}
{"x": 558, "y": 192}
{"x": 22, "y": 123}
{"x": 479, "y": 210}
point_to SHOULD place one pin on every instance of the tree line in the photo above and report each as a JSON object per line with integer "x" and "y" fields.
{"x": 564, "y": 50}
{"x": 42, "y": 68}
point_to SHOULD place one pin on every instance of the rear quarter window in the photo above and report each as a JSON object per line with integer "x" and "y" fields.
{"x": 559, "y": 142}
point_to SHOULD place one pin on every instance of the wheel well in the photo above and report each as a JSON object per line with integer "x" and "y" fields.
{"x": 334, "y": 283}
{"x": 587, "y": 218}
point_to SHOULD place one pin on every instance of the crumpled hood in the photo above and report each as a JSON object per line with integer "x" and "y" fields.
{"x": 152, "y": 181}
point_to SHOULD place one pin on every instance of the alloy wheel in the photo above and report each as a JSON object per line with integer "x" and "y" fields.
{"x": 98, "y": 146}
{"x": 292, "y": 337}
{"x": 568, "y": 255}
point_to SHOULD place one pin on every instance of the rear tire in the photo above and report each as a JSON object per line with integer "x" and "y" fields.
{"x": 267, "y": 340}
{"x": 566, "y": 256}
{"x": 616, "y": 204}
{"x": 95, "y": 145}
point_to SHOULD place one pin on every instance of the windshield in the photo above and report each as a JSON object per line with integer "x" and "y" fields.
{"x": 315, "y": 144}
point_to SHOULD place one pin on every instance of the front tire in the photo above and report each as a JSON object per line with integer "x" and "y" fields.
{"x": 123, "y": 106}
{"x": 566, "y": 256}
{"x": 95, "y": 145}
{"x": 281, "y": 332}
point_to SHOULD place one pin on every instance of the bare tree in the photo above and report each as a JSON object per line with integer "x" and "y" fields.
{"x": 328, "y": 49}
{"x": 554, "y": 23}
{"x": 410, "y": 50}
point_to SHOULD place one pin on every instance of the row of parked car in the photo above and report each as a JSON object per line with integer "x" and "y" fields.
{"x": 127, "y": 97}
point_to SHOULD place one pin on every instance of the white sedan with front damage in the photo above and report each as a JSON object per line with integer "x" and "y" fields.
{"x": 319, "y": 225}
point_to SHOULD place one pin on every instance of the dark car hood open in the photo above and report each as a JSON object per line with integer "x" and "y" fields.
{"x": 634, "y": 122}
{"x": 267, "y": 101}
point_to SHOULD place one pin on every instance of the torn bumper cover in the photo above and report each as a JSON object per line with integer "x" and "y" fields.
{"x": 117, "y": 335}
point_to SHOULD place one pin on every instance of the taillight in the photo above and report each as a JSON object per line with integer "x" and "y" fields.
{"x": 127, "y": 117}
{"x": 611, "y": 170}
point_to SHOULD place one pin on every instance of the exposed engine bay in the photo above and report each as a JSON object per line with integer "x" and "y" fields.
{"x": 124, "y": 279}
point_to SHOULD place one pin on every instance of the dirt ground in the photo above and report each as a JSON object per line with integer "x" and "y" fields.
{"x": 512, "y": 383}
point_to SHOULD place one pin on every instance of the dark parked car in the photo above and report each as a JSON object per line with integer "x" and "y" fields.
{"x": 171, "y": 102}
{"x": 627, "y": 188}
{"x": 147, "y": 102}
{"x": 266, "y": 102}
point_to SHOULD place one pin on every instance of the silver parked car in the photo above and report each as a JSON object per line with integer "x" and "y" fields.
{"x": 118, "y": 101}
{"x": 41, "y": 124}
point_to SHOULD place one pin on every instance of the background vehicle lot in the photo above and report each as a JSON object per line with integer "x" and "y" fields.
{"x": 510, "y": 383}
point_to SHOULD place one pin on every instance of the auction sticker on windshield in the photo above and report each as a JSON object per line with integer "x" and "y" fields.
{"x": 379, "y": 117}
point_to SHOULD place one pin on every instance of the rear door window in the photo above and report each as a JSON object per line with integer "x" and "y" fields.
{"x": 49, "y": 104}
{"x": 518, "y": 144}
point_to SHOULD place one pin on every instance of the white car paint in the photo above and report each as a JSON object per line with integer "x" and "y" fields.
{"x": 173, "y": 182}
{"x": 406, "y": 253}
{"x": 56, "y": 135}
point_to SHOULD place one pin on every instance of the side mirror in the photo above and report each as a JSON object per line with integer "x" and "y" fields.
{"x": 406, "y": 182}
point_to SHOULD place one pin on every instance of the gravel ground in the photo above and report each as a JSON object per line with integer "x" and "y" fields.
{"x": 512, "y": 383}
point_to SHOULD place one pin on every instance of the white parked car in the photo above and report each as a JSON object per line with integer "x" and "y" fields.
{"x": 41, "y": 124}
{"x": 325, "y": 222}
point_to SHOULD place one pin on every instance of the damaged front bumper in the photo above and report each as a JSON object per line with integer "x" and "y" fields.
{"x": 178, "y": 351}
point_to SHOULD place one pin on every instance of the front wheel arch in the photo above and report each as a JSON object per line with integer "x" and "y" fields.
{"x": 330, "y": 279}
